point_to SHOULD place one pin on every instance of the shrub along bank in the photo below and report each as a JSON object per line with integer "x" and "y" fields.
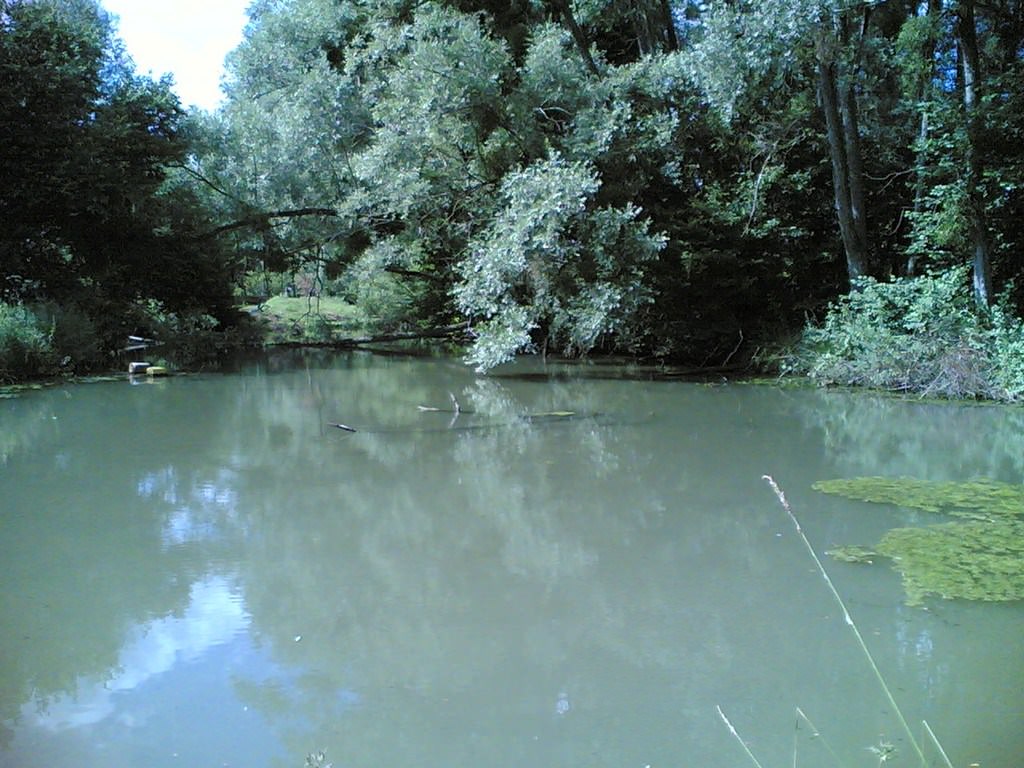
{"x": 25, "y": 346}
{"x": 45, "y": 340}
{"x": 923, "y": 335}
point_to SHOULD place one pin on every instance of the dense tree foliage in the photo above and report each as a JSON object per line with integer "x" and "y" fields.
{"x": 665, "y": 178}
{"x": 91, "y": 225}
{"x": 662, "y": 177}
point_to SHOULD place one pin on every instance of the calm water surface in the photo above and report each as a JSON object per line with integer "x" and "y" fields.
{"x": 201, "y": 571}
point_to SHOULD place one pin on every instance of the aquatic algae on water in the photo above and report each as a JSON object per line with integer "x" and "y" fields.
{"x": 978, "y": 557}
{"x": 986, "y": 498}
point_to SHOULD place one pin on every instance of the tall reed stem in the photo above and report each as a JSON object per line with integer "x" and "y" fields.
{"x": 847, "y": 618}
{"x": 935, "y": 741}
{"x": 738, "y": 738}
{"x": 816, "y": 734}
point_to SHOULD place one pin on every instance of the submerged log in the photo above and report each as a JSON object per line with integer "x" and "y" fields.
{"x": 538, "y": 418}
{"x": 459, "y": 330}
{"x": 428, "y": 333}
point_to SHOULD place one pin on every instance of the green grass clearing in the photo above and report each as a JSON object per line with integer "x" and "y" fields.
{"x": 303, "y": 319}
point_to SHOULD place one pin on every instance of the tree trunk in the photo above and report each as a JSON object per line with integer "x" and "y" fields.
{"x": 919, "y": 182}
{"x": 924, "y": 93}
{"x": 669, "y": 25}
{"x": 563, "y": 9}
{"x": 854, "y": 166}
{"x": 647, "y": 37}
{"x": 968, "y": 43}
{"x": 655, "y": 27}
{"x": 839, "y": 107}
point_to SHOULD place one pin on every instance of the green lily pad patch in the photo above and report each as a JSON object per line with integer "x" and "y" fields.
{"x": 967, "y": 561}
{"x": 980, "y": 557}
{"x": 986, "y": 499}
{"x": 853, "y": 553}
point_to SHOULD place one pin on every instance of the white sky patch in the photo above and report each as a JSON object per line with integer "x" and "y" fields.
{"x": 186, "y": 38}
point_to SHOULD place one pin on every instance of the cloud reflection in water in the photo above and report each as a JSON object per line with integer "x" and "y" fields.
{"x": 214, "y": 616}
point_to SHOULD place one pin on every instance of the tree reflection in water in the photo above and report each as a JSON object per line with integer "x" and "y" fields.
{"x": 527, "y": 592}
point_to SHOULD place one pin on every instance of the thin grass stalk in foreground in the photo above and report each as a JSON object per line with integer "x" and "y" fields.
{"x": 848, "y": 619}
{"x": 935, "y": 741}
{"x": 815, "y": 735}
{"x": 736, "y": 736}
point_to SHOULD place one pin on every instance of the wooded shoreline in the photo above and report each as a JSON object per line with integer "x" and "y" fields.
{"x": 829, "y": 189}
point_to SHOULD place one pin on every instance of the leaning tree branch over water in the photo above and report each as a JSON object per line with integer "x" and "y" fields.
{"x": 262, "y": 219}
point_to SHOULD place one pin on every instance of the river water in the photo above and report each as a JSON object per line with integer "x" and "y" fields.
{"x": 202, "y": 571}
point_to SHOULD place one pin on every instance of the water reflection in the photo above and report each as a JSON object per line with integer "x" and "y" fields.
{"x": 214, "y": 615}
{"x": 875, "y": 434}
{"x": 499, "y": 589}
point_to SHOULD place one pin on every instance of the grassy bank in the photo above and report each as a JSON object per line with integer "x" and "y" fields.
{"x": 297, "y": 320}
{"x": 40, "y": 342}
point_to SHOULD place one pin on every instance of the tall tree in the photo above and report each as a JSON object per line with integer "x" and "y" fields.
{"x": 473, "y": 160}
{"x": 562, "y": 11}
{"x": 50, "y": 60}
{"x": 85, "y": 147}
{"x": 838, "y": 43}
{"x": 971, "y": 84}
{"x": 762, "y": 46}
{"x": 967, "y": 160}
{"x": 922, "y": 32}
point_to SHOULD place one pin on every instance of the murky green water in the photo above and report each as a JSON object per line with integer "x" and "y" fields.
{"x": 200, "y": 571}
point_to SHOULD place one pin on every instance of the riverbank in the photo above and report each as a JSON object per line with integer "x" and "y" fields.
{"x": 922, "y": 338}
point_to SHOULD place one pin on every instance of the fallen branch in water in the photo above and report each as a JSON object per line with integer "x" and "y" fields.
{"x": 429, "y": 333}
{"x": 456, "y": 408}
{"x": 456, "y": 331}
{"x": 541, "y": 417}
